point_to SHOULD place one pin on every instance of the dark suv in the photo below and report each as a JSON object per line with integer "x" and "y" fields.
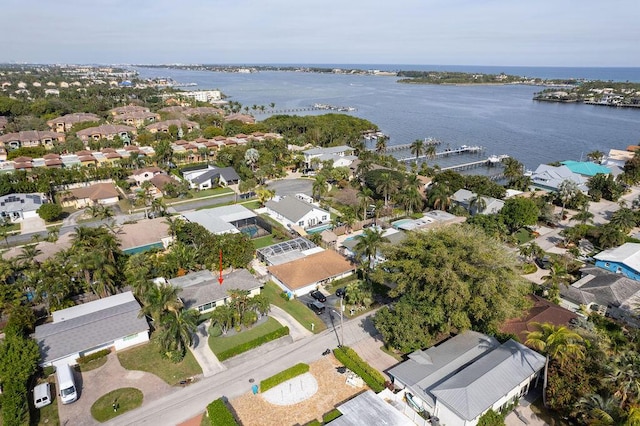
{"x": 316, "y": 307}
{"x": 318, "y": 296}
{"x": 341, "y": 292}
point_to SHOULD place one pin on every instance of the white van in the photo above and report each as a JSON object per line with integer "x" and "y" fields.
{"x": 66, "y": 384}
{"x": 42, "y": 395}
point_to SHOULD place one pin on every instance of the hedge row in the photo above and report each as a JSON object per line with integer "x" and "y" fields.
{"x": 96, "y": 355}
{"x": 237, "y": 350}
{"x": 220, "y": 415}
{"x": 283, "y": 376}
{"x": 353, "y": 362}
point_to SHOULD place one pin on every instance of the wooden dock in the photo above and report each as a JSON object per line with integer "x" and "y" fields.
{"x": 462, "y": 150}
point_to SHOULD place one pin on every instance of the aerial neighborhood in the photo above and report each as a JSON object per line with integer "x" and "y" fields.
{"x": 166, "y": 248}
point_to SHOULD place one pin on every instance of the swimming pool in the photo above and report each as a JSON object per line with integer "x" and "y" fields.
{"x": 400, "y": 222}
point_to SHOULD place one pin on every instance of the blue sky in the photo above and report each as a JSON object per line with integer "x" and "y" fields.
{"x": 451, "y": 32}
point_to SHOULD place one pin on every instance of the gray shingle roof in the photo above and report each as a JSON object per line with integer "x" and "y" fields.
{"x": 202, "y": 287}
{"x": 602, "y": 287}
{"x": 92, "y": 329}
{"x": 292, "y": 208}
{"x": 477, "y": 387}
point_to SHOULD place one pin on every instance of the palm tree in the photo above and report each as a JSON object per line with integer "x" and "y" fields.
{"x": 430, "y": 152}
{"x": 410, "y": 199}
{"x": 369, "y": 242}
{"x": 417, "y": 148}
{"x": 264, "y": 195}
{"x": 610, "y": 236}
{"x": 624, "y": 219}
{"x": 159, "y": 300}
{"x": 557, "y": 343}
{"x": 512, "y": 168}
{"x": 477, "y": 204}
{"x": 557, "y": 275}
{"x": 365, "y": 195}
{"x": 28, "y": 254}
{"x": 439, "y": 197}
{"x": 176, "y": 331}
{"x": 584, "y": 215}
{"x": 599, "y": 410}
{"x": 624, "y": 373}
{"x": 222, "y": 316}
{"x": 387, "y": 186}
{"x": 381, "y": 145}
{"x": 319, "y": 188}
{"x": 251, "y": 157}
{"x": 567, "y": 190}
{"x": 595, "y": 156}
{"x": 359, "y": 293}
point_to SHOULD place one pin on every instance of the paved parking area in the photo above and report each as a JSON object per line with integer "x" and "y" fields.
{"x": 331, "y": 316}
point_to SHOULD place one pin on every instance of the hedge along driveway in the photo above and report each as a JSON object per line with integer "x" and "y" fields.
{"x": 283, "y": 376}
{"x": 225, "y": 347}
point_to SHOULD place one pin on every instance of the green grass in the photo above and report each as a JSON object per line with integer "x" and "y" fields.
{"x": 265, "y": 241}
{"x": 125, "y": 399}
{"x": 391, "y": 352}
{"x": 295, "y": 308}
{"x": 148, "y": 358}
{"x": 252, "y": 205}
{"x": 210, "y": 192}
{"x": 93, "y": 364}
{"x": 523, "y": 235}
{"x": 331, "y": 415}
{"x": 222, "y": 343}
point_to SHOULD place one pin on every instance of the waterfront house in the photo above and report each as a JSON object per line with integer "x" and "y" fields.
{"x": 308, "y": 273}
{"x": 65, "y": 123}
{"x": 202, "y": 291}
{"x": 550, "y": 178}
{"x": 111, "y": 322}
{"x": 243, "y": 118}
{"x": 605, "y": 293}
{"x": 459, "y": 380}
{"x": 586, "y": 168}
{"x": 623, "y": 260}
{"x": 294, "y": 213}
{"x": 333, "y": 153}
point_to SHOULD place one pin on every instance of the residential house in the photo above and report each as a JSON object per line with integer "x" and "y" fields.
{"x": 334, "y": 154}
{"x": 543, "y": 311}
{"x": 146, "y": 174}
{"x": 111, "y": 322}
{"x": 459, "y": 380}
{"x": 476, "y": 204}
{"x": 605, "y": 293}
{"x": 551, "y": 177}
{"x": 99, "y": 193}
{"x": 586, "y": 168}
{"x": 623, "y": 260}
{"x": 136, "y": 118}
{"x": 144, "y": 235}
{"x": 301, "y": 276}
{"x": 429, "y": 220}
{"x": 369, "y": 408}
{"x": 211, "y": 176}
{"x": 15, "y": 207}
{"x": 243, "y": 118}
{"x": 618, "y": 157}
{"x": 294, "y": 213}
{"x": 231, "y": 219}
{"x": 127, "y": 109}
{"x": 202, "y": 111}
{"x": 163, "y": 126}
{"x": 202, "y": 291}
{"x": 394, "y": 237}
{"x": 161, "y": 181}
{"x": 30, "y": 138}
{"x": 65, "y": 123}
{"x": 106, "y": 131}
{"x": 286, "y": 251}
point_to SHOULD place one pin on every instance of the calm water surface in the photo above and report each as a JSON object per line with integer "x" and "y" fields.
{"x": 503, "y": 119}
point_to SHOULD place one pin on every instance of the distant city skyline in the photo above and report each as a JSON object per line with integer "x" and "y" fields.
{"x": 585, "y": 33}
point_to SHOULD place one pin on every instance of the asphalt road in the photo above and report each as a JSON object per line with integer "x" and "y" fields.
{"x": 261, "y": 363}
{"x": 291, "y": 186}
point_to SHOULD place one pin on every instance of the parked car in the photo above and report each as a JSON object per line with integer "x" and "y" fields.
{"x": 341, "y": 292}
{"x": 42, "y": 395}
{"x": 316, "y": 307}
{"x": 543, "y": 262}
{"x": 318, "y": 296}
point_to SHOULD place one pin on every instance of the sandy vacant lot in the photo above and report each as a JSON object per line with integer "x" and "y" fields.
{"x": 332, "y": 390}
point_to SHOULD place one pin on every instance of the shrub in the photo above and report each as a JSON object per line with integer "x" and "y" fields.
{"x": 331, "y": 415}
{"x": 237, "y": 350}
{"x": 50, "y": 212}
{"x": 91, "y": 357}
{"x": 220, "y": 415}
{"x": 353, "y": 362}
{"x": 283, "y": 376}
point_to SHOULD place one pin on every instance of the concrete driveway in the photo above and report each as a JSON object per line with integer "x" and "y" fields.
{"x": 291, "y": 186}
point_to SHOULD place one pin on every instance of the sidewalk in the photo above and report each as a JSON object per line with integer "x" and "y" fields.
{"x": 203, "y": 354}
{"x": 296, "y": 330}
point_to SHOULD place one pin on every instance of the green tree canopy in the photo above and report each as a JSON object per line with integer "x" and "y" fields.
{"x": 518, "y": 212}
{"x": 448, "y": 279}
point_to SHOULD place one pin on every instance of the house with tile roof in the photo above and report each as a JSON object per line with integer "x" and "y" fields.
{"x": 111, "y": 322}
{"x": 624, "y": 260}
{"x": 459, "y": 380}
{"x": 163, "y": 126}
{"x": 605, "y": 293}
{"x": 65, "y": 123}
{"x": 99, "y": 193}
{"x": 294, "y": 212}
{"x": 105, "y": 131}
{"x": 30, "y": 138}
{"x": 202, "y": 291}
{"x": 303, "y": 275}
{"x": 136, "y": 118}
{"x": 542, "y": 311}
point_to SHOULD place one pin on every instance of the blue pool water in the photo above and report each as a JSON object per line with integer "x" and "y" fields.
{"x": 400, "y": 222}
{"x": 319, "y": 229}
{"x": 140, "y": 249}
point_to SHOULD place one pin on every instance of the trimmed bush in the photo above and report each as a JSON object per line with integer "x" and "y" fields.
{"x": 91, "y": 357}
{"x": 331, "y": 415}
{"x": 353, "y": 362}
{"x": 237, "y": 350}
{"x": 283, "y": 376}
{"x": 220, "y": 415}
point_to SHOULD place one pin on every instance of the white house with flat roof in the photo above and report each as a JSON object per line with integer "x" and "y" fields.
{"x": 111, "y": 322}
{"x": 461, "y": 379}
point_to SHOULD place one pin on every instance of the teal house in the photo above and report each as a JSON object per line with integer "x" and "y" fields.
{"x": 586, "y": 168}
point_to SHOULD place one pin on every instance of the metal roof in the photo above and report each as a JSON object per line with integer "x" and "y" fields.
{"x": 369, "y": 409}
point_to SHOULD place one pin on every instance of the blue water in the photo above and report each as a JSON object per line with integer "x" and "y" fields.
{"x": 503, "y": 119}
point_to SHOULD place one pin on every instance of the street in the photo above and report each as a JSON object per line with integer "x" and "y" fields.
{"x": 259, "y": 364}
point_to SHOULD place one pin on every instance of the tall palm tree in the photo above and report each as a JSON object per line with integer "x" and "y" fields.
{"x": 430, "y": 152}
{"x": 584, "y": 215}
{"x": 160, "y": 299}
{"x": 477, "y": 204}
{"x": 222, "y": 316}
{"x": 369, "y": 242}
{"x": 381, "y": 145}
{"x": 365, "y": 195}
{"x": 319, "y": 187}
{"x": 417, "y": 148}
{"x": 624, "y": 219}
{"x": 176, "y": 331}
{"x": 439, "y": 197}
{"x": 567, "y": 191}
{"x": 387, "y": 186}
{"x": 555, "y": 342}
{"x": 251, "y": 157}
{"x": 624, "y": 372}
{"x": 595, "y": 156}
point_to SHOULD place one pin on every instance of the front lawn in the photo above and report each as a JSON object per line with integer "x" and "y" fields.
{"x": 223, "y": 343}
{"x": 295, "y": 308}
{"x": 47, "y": 415}
{"x": 147, "y": 358}
{"x": 251, "y": 205}
{"x": 123, "y": 399}
{"x": 523, "y": 235}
